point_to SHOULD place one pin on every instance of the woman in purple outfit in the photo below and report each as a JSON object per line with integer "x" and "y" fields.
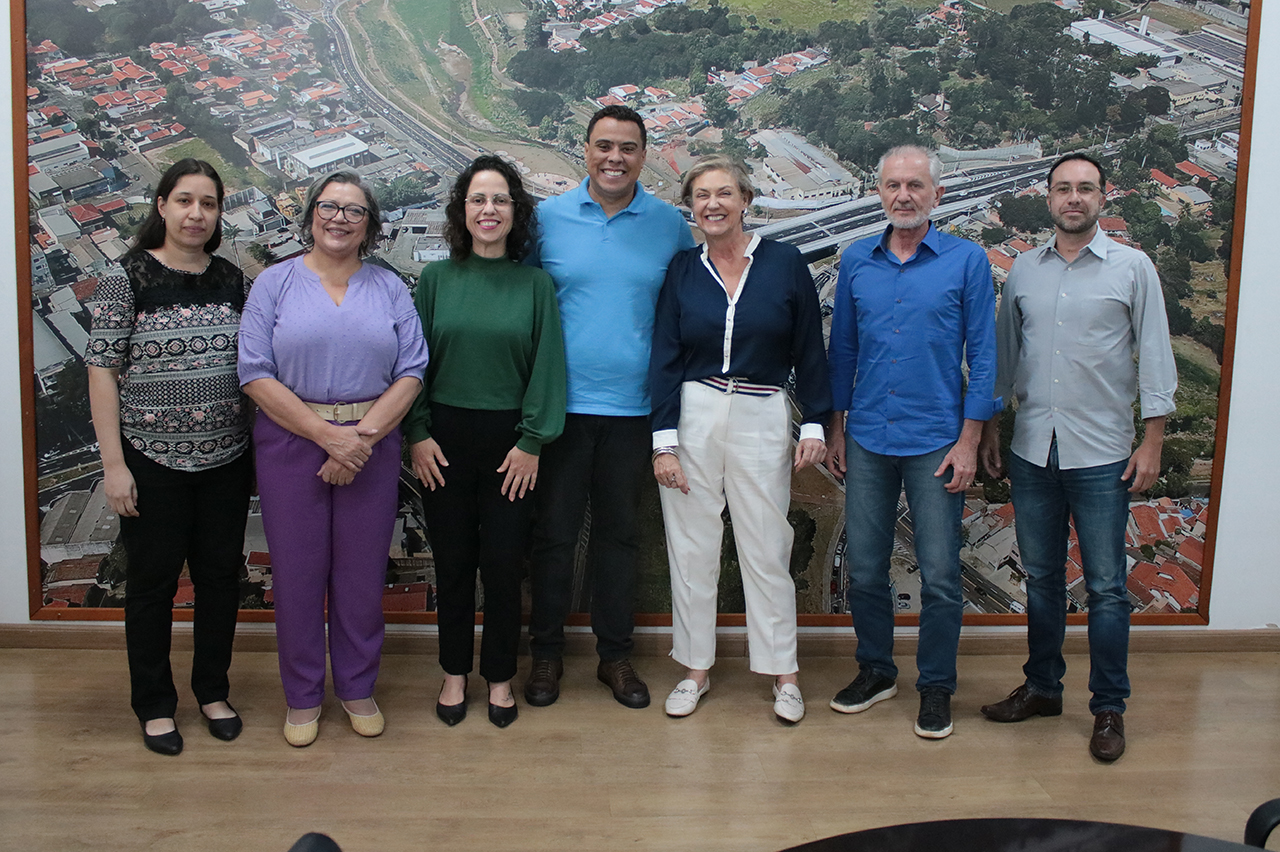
{"x": 331, "y": 350}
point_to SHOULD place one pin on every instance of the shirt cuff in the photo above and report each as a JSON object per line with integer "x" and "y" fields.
{"x": 666, "y": 438}
{"x": 812, "y": 430}
{"x": 1157, "y": 405}
{"x": 976, "y": 408}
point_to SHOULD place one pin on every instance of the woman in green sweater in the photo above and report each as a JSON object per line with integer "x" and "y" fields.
{"x": 493, "y": 395}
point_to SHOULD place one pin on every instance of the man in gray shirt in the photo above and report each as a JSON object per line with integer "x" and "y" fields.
{"x": 1073, "y": 315}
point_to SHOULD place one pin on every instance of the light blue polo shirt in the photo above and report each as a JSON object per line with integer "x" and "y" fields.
{"x": 607, "y": 273}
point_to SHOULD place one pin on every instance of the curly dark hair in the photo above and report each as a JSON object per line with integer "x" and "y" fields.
{"x": 151, "y": 233}
{"x": 520, "y": 240}
{"x": 372, "y": 219}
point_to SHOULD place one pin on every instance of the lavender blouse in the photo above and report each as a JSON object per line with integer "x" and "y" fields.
{"x": 292, "y": 331}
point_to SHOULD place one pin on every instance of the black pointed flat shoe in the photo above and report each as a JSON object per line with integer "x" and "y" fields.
{"x": 225, "y": 729}
{"x": 169, "y": 744}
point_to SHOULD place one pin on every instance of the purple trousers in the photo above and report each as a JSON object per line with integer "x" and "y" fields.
{"x": 326, "y": 540}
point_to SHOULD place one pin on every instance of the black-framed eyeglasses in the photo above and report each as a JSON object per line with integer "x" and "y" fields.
{"x": 351, "y": 212}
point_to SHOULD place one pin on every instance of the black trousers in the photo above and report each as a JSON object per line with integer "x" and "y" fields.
{"x": 473, "y": 528}
{"x": 605, "y": 459}
{"x": 196, "y": 518}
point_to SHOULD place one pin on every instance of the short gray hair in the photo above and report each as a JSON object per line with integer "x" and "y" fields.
{"x": 373, "y": 219}
{"x": 714, "y": 163}
{"x": 935, "y": 162}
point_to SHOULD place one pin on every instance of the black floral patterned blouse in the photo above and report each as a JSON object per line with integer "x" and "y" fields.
{"x": 173, "y": 337}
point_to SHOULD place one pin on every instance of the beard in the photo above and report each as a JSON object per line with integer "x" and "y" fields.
{"x": 907, "y": 220}
{"x": 1068, "y": 227}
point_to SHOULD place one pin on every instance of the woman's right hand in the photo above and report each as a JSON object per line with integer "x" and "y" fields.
{"x": 122, "y": 492}
{"x": 334, "y": 473}
{"x": 669, "y": 473}
{"x": 346, "y": 445}
{"x": 428, "y": 458}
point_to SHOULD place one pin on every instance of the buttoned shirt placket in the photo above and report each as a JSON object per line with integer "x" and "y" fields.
{"x": 732, "y": 307}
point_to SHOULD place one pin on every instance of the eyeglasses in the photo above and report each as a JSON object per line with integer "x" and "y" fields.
{"x": 351, "y": 212}
{"x": 479, "y": 200}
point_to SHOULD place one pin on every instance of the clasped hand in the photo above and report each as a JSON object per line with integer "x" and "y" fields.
{"x": 349, "y": 447}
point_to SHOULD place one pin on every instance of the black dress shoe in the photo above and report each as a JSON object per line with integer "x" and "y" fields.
{"x": 225, "y": 729}
{"x": 452, "y": 714}
{"x": 503, "y": 716}
{"x": 167, "y": 744}
{"x": 1022, "y": 704}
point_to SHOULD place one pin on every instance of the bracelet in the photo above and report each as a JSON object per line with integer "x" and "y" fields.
{"x": 664, "y": 451}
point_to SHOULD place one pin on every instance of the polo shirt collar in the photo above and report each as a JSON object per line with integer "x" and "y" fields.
{"x": 637, "y": 200}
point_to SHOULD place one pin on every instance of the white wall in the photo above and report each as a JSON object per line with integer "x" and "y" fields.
{"x": 1246, "y": 577}
{"x": 13, "y": 558}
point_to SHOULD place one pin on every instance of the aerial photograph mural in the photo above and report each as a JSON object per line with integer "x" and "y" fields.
{"x": 808, "y": 93}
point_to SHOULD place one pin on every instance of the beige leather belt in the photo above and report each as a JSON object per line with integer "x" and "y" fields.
{"x": 340, "y": 412}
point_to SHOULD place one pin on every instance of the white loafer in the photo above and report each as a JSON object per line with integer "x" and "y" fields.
{"x": 787, "y": 703}
{"x": 683, "y": 700}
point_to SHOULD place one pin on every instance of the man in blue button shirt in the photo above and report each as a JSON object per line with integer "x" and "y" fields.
{"x": 606, "y": 244}
{"x": 910, "y": 306}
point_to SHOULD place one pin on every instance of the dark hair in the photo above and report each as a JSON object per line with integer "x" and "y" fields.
{"x": 1066, "y": 158}
{"x": 618, "y": 112}
{"x": 522, "y": 214}
{"x": 373, "y": 218}
{"x": 152, "y": 232}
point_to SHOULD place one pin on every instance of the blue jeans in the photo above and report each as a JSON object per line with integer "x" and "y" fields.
{"x": 872, "y": 486}
{"x": 1098, "y": 500}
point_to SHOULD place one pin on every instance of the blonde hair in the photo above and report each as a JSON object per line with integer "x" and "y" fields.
{"x": 713, "y": 163}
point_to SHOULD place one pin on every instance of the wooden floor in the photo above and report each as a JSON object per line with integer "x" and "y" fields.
{"x": 589, "y": 774}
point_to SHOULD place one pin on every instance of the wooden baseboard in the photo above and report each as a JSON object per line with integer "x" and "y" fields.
{"x": 841, "y": 643}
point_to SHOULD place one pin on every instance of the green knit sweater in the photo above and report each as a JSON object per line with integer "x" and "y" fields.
{"x": 493, "y": 330}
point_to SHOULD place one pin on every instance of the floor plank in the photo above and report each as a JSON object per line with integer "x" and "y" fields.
{"x": 589, "y": 774}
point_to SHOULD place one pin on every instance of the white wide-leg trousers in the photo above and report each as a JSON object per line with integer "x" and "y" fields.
{"x": 735, "y": 447}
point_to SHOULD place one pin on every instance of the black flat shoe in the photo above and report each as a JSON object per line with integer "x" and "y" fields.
{"x": 502, "y": 716}
{"x": 452, "y": 714}
{"x": 169, "y": 744}
{"x": 225, "y": 729}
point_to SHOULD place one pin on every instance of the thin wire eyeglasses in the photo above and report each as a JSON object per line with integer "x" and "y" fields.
{"x": 498, "y": 200}
{"x": 351, "y": 212}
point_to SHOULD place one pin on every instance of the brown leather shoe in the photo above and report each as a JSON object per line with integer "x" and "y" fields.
{"x": 1107, "y": 742}
{"x": 627, "y": 686}
{"x": 543, "y": 686}
{"x": 1021, "y": 704}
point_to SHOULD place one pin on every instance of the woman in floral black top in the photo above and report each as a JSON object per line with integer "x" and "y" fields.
{"x": 173, "y": 430}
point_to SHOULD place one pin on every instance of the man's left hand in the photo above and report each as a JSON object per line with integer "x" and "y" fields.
{"x": 963, "y": 461}
{"x": 1144, "y": 467}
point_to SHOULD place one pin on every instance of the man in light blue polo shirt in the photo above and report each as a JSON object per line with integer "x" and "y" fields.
{"x": 606, "y": 244}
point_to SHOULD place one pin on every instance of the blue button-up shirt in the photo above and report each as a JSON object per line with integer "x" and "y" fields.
{"x": 899, "y": 335}
{"x": 608, "y": 271}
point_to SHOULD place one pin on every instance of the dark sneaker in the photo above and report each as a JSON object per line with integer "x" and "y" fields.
{"x": 1107, "y": 742}
{"x": 626, "y": 685}
{"x": 934, "y": 721}
{"x": 543, "y": 686}
{"x": 867, "y": 688}
{"x": 1022, "y": 704}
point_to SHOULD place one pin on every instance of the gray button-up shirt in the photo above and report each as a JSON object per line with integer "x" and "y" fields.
{"x": 1067, "y": 334}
